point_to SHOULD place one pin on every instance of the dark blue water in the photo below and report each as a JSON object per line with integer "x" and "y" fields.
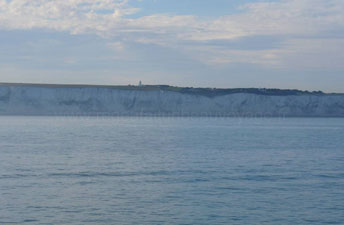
{"x": 56, "y": 170}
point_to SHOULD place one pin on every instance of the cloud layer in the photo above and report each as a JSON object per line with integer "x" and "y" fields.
{"x": 110, "y": 17}
{"x": 298, "y": 34}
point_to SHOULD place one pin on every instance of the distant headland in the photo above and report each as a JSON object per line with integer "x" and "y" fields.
{"x": 55, "y": 99}
{"x": 209, "y": 92}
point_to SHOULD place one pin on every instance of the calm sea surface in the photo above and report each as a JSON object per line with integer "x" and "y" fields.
{"x": 64, "y": 170}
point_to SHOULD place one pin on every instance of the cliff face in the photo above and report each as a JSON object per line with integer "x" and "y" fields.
{"x": 52, "y": 100}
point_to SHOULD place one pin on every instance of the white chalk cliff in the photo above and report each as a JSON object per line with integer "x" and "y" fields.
{"x": 21, "y": 99}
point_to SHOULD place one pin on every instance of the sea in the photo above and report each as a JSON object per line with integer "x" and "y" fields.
{"x": 171, "y": 170}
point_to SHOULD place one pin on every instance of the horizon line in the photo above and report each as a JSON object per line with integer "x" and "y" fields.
{"x": 140, "y": 85}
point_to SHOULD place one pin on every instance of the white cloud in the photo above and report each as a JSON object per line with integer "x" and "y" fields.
{"x": 287, "y": 17}
{"x": 74, "y": 16}
{"x": 117, "y": 46}
{"x": 296, "y": 20}
{"x": 107, "y": 17}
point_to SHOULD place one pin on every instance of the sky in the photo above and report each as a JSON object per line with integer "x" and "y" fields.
{"x": 289, "y": 44}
